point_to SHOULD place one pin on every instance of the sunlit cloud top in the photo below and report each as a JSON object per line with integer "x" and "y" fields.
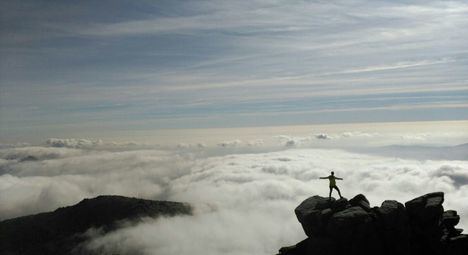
{"x": 126, "y": 65}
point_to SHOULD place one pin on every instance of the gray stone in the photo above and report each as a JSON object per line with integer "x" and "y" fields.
{"x": 340, "y": 205}
{"x": 393, "y": 214}
{"x": 361, "y": 201}
{"x": 344, "y": 223}
{"x": 309, "y": 213}
{"x": 427, "y": 208}
{"x": 450, "y": 218}
{"x": 394, "y": 227}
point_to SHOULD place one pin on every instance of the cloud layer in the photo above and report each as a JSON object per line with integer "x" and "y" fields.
{"x": 244, "y": 201}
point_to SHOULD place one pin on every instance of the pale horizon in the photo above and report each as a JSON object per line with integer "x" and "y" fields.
{"x": 449, "y": 132}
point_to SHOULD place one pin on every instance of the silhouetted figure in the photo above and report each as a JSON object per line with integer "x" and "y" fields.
{"x": 332, "y": 180}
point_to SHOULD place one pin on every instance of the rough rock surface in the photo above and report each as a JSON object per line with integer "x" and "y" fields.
{"x": 60, "y": 231}
{"x": 420, "y": 227}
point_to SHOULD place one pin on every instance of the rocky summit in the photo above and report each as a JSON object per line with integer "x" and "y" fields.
{"x": 61, "y": 231}
{"x": 419, "y": 227}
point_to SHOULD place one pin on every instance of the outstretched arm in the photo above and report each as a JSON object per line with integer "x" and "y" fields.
{"x": 339, "y": 178}
{"x": 323, "y": 177}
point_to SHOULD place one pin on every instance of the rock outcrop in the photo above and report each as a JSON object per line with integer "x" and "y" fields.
{"x": 60, "y": 231}
{"x": 420, "y": 227}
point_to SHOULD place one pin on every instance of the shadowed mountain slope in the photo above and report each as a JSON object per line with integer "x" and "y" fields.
{"x": 58, "y": 232}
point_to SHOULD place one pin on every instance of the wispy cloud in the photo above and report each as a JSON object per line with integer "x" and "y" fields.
{"x": 78, "y": 65}
{"x": 399, "y": 65}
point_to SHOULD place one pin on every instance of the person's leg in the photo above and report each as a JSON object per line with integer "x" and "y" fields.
{"x": 337, "y": 189}
{"x": 329, "y": 195}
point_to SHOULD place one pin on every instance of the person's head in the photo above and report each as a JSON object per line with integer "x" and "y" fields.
{"x": 333, "y": 173}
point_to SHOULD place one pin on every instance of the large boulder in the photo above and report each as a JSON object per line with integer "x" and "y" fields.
{"x": 361, "y": 201}
{"x": 393, "y": 225}
{"x": 313, "y": 214}
{"x": 343, "y": 224}
{"x": 450, "y": 218}
{"x": 448, "y": 222}
{"x": 425, "y": 213}
{"x": 340, "y": 205}
{"x": 393, "y": 215}
{"x": 353, "y": 229}
{"x": 426, "y": 209}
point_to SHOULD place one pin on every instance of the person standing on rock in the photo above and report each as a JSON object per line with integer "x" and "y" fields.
{"x": 332, "y": 178}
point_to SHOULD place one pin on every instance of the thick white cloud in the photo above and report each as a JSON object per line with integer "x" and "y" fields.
{"x": 32, "y": 186}
{"x": 244, "y": 201}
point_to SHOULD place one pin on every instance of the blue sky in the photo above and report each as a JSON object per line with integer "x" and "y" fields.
{"x": 94, "y": 66}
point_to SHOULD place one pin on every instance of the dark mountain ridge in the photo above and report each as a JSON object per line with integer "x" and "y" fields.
{"x": 60, "y": 231}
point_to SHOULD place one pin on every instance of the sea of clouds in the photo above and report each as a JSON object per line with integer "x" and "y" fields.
{"x": 244, "y": 193}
